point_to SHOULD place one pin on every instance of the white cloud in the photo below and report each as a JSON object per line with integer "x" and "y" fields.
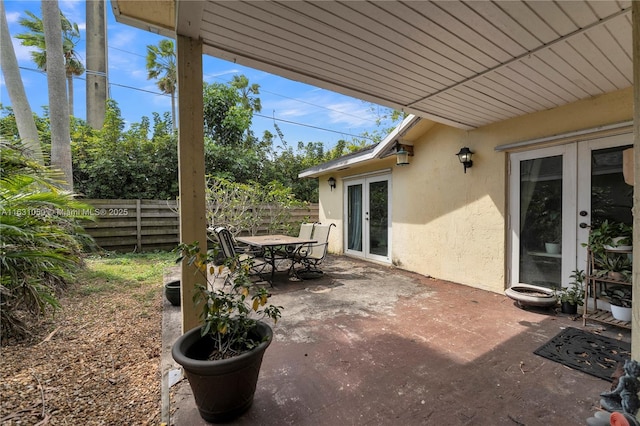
{"x": 13, "y": 17}
{"x": 122, "y": 38}
{"x": 351, "y": 113}
{"x": 323, "y": 107}
{"x": 211, "y": 77}
{"x": 139, "y": 74}
{"x": 74, "y": 10}
{"x": 23, "y": 53}
{"x": 290, "y": 108}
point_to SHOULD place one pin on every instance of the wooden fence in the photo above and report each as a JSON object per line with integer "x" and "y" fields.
{"x": 146, "y": 225}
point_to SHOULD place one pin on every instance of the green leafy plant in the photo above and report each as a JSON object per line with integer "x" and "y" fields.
{"x": 574, "y": 293}
{"x": 604, "y": 234}
{"x": 551, "y": 225}
{"x": 250, "y": 207}
{"x": 620, "y": 296}
{"x": 41, "y": 239}
{"x": 231, "y": 303}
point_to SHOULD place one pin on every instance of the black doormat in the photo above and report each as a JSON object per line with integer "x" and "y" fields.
{"x": 587, "y": 352}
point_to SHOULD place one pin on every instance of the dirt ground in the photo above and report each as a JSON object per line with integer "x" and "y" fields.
{"x": 96, "y": 363}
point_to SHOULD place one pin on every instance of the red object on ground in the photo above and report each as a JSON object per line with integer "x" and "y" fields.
{"x": 618, "y": 419}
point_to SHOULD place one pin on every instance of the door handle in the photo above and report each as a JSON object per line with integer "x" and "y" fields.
{"x": 583, "y": 225}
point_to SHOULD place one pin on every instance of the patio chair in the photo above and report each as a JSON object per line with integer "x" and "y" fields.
{"x": 306, "y": 231}
{"x": 244, "y": 254}
{"x": 312, "y": 255}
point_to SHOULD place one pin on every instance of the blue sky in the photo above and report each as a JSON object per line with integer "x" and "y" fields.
{"x": 314, "y": 108}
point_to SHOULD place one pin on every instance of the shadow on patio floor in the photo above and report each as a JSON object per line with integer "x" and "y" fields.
{"x": 368, "y": 344}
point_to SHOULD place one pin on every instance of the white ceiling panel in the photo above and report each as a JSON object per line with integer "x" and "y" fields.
{"x": 465, "y": 64}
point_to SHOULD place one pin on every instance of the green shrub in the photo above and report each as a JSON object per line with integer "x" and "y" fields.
{"x": 40, "y": 239}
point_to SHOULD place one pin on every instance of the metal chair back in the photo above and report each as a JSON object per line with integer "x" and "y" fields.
{"x": 318, "y": 250}
{"x": 226, "y": 240}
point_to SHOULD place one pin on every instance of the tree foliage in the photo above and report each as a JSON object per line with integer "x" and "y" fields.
{"x": 140, "y": 161}
{"x": 247, "y": 206}
{"x": 118, "y": 163}
{"x": 40, "y": 239}
{"x": 161, "y": 66}
{"x": 227, "y": 117}
{"x": 70, "y": 37}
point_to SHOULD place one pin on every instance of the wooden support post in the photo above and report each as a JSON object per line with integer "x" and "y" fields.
{"x": 193, "y": 223}
{"x": 635, "y": 320}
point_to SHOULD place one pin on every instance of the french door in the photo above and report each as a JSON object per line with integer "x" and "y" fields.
{"x": 368, "y": 219}
{"x": 555, "y": 195}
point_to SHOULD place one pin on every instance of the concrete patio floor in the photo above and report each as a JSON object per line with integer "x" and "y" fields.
{"x": 374, "y": 345}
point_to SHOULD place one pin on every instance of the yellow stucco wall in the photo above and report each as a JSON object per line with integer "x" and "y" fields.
{"x": 451, "y": 225}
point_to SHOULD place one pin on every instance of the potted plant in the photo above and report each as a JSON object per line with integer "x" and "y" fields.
{"x": 222, "y": 358}
{"x": 610, "y": 236}
{"x": 620, "y": 299}
{"x": 613, "y": 266}
{"x": 572, "y": 296}
{"x": 551, "y": 225}
{"x": 621, "y": 238}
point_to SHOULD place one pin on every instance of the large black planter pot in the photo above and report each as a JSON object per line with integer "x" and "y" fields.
{"x": 223, "y": 389}
{"x": 172, "y": 292}
{"x": 569, "y": 308}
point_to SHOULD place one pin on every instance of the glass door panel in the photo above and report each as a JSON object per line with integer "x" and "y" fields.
{"x": 603, "y": 193}
{"x": 379, "y": 218}
{"x": 542, "y": 216}
{"x": 541, "y": 221}
{"x": 611, "y": 196}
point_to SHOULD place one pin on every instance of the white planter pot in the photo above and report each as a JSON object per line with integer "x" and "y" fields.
{"x": 602, "y": 304}
{"x": 620, "y": 313}
{"x": 552, "y": 248}
{"x": 616, "y": 245}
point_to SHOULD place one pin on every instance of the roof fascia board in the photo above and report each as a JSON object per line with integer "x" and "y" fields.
{"x": 377, "y": 152}
{"x": 396, "y": 133}
{"x": 320, "y": 170}
{"x": 154, "y": 16}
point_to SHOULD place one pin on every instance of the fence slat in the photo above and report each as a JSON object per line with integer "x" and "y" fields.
{"x": 146, "y": 225}
{"x": 139, "y": 224}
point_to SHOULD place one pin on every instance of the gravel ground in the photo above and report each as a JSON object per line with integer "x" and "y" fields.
{"x": 96, "y": 363}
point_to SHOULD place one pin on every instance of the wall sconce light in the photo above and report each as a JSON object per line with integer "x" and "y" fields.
{"x": 332, "y": 182}
{"x": 465, "y": 158}
{"x": 402, "y": 154}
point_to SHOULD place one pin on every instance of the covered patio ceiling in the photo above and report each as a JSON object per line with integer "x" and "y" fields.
{"x": 465, "y": 64}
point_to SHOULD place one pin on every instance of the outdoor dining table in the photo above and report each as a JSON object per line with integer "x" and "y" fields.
{"x": 271, "y": 242}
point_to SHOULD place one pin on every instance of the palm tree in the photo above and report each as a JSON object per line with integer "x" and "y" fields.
{"x": 247, "y": 92}
{"x": 60, "y": 126}
{"x": 13, "y": 82}
{"x": 96, "y": 82}
{"x": 70, "y": 37}
{"x": 161, "y": 65}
